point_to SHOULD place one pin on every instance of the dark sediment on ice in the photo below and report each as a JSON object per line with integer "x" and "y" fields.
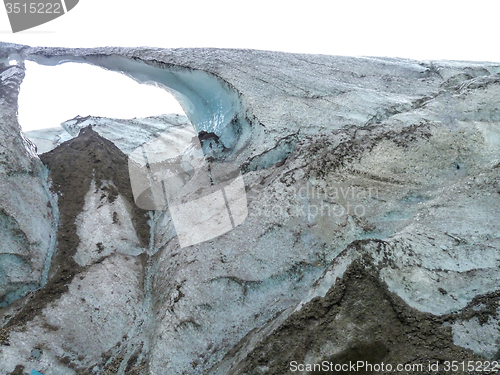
{"x": 73, "y": 165}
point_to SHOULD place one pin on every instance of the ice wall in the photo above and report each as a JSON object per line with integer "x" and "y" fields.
{"x": 379, "y": 228}
{"x": 28, "y": 214}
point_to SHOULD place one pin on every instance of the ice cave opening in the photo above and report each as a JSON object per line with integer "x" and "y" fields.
{"x": 52, "y": 95}
{"x": 210, "y": 105}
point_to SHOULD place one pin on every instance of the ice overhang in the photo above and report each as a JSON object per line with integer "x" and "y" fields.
{"x": 210, "y": 103}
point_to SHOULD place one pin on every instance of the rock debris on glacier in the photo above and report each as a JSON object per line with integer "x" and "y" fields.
{"x": 372, "y": 231}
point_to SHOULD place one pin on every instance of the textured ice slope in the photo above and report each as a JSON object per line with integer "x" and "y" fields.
{"x": 372, "y": 231}
{"x": 47, "y": 139}
{"x": 27, "y": 208}
{"x": 126, "y": 134}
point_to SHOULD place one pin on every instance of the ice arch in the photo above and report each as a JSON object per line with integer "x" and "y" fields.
{"x": 50, "y": 96}
{"x": 210, "y": 104}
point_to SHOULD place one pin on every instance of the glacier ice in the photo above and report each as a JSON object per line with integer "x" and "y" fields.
{"x": 372, "y": 195}
{"x": 27, "y": 214}
{"x": 126, "y": 134}
{"x": 116, "y": 234}
{"x": 47, "y": 139}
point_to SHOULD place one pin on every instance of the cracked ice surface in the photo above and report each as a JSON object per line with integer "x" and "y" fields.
{"x": 364, "y": 176}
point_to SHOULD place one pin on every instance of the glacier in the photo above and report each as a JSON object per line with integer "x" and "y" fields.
{"x": 372, "y": 234}
{"x": 127, "y": 134}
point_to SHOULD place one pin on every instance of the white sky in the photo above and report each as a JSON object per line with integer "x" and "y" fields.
{"x": 414, "y": 29}
{"x": 82, "y": 89}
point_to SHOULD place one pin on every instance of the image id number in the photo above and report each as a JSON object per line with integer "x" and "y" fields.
{"x": 472, "y": 366}
{"x": 33, "y": 8}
